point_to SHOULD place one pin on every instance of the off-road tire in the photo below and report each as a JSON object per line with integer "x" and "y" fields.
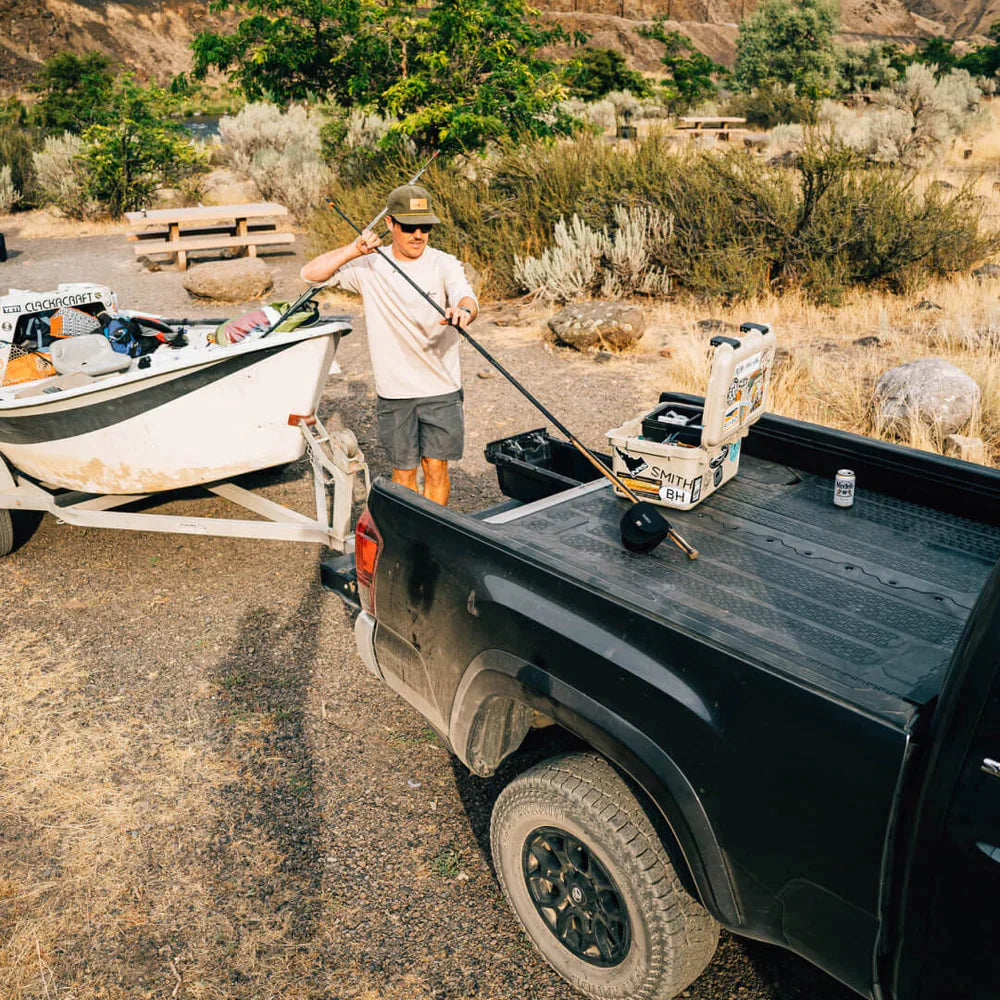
{"x": 672, "y": 937}
{"x": 6, "y": 533}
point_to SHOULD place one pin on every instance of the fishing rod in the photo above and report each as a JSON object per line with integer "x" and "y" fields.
{"x": 642, "y": 526}
{"x": 313, "y": 289}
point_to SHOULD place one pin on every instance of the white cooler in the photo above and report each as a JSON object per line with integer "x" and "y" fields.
{"x": 677, "y": 455}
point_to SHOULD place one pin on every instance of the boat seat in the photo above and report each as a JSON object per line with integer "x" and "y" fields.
{"x": 90, "y": 354}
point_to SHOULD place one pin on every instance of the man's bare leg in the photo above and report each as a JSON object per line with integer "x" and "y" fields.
{"x": 437, "y": 485}
{"x": 405, "y": 477}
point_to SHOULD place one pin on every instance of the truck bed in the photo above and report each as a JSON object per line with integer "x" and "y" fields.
{"x": 864, "y": 603}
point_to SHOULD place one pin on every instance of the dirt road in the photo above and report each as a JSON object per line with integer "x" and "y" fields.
{"x": 204, "y": 795}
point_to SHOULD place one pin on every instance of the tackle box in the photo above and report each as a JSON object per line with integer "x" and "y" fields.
{"x": 533, "y": 465}
{"x": 678, "y": 454}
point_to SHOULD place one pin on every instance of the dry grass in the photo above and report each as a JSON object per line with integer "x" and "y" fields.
{"x": 44, "y": 223}
{"x": 828, "y": 379}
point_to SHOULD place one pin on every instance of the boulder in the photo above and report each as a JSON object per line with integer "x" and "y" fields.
{"x": 931, "y": 389}
{"x": 968, "y": 449}
{"x": 241, "y": 280}
{"x": 715, "y": 325}
{"x": 606, "y": 325}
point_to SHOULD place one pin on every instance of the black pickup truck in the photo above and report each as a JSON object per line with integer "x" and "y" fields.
{"x": 796, "y": 736}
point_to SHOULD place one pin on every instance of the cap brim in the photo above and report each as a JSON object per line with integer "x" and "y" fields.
{"x": 414, "y": 217}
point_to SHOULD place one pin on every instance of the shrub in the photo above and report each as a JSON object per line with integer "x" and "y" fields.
{"x": 585, "y": 262}
{"x": 592, "y": 73}
{"x": 925, "y": 112}
{"x": 739, "y": 227}
{"x": 281, "y": 152}
{"x": 9, "y": 195}
{"x": 138, "y": 150}
{"x": 17, "y": 154}
{"x": 772, "y": 105}
{"x": 62, "y": 179}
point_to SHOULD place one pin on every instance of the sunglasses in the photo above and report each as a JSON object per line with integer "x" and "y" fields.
{"x": 414, "y": 227}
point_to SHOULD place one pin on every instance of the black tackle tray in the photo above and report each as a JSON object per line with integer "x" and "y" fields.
{"x": 686, "y": 430}
{"x": 533, "y": 465}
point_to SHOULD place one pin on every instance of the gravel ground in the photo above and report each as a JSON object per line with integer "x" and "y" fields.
{"x": 290, "y": 829}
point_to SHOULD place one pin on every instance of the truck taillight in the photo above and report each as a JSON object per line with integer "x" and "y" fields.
{"x": 367, "y": 547}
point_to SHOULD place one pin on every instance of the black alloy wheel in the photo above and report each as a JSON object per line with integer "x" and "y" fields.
{"x": 576, "y": 897}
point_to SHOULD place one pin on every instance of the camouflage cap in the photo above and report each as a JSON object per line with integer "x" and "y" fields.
{"x": 411, "y": 204}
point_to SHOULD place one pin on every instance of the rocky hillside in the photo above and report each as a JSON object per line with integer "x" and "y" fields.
{"x": 148, "y": 36}
{"x": 152, "y": 36}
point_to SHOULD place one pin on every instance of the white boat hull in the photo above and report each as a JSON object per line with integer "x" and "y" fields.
{"x": 209, "y": 415}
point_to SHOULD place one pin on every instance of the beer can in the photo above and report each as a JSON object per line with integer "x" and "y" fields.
{"x": 843, "y": 488}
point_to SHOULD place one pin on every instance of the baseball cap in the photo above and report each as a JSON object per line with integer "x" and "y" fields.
{"x": 411, "y": 203}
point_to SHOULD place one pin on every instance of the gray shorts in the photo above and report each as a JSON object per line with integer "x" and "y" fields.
{"x": 428, "y": 427}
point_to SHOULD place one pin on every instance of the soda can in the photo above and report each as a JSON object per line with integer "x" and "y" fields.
{"x": 843, "y": 488}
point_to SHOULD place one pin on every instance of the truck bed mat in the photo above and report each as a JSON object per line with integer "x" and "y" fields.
{"x": 866, "y": 602}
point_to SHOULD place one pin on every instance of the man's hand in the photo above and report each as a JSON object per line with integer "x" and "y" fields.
{"x": 460, "y": 316}
{"x": 368, "y": 242}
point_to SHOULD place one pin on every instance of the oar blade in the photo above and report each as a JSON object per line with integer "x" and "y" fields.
{"x": 643, "y": 527}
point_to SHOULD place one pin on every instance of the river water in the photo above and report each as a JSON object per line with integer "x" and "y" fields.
{"x": 202, "y": 127}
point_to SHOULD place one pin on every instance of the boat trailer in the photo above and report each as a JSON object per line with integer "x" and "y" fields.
{"x": 336, "y": 461}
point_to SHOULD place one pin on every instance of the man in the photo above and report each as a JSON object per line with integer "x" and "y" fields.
{"x": 414, "y": 352}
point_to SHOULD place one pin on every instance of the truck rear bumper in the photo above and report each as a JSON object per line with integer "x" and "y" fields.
{"x": 364, "y": 636}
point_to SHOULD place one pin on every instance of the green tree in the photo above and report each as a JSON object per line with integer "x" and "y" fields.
{"x": 458, "y": 75}
{"x": 689, "y": 72}
{"x": 985, "y": 60}
{"x": 475, "y": 77}
{"x": 592, "y": 73}
{"x": 75, "y": 91}
{"x": 937, "y": 51}
{"x": 292, "y": 50}
{"x": 866, "y": 68}
{"x": 789, "y": 43}
{"x": 138, "y": 150}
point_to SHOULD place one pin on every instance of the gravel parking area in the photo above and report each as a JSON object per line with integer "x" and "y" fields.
{"x": 204, "y": 794}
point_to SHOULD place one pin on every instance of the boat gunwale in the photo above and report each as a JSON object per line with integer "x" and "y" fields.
{"x": 194, "y": 358}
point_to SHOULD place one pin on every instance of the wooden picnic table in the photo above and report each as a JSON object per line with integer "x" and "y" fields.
{"x": 176, "y": 231}
{"x": 718, "y": 125}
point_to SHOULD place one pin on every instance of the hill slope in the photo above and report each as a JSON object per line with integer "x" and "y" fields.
{"x": 152, "y": 36}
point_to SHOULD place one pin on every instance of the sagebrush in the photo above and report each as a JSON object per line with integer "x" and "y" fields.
{"x": 281, "y": 152}
{"x": 741, "y": 227}
{"x": 62, "y": 176}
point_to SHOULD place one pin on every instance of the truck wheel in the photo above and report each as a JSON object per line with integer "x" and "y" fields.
{"x": 591, "y": 883}
{"x": 6, "y": 533}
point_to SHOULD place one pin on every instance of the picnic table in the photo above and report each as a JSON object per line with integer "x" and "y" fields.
{"x": 720, "y": 125}
{"x": 177, "y": 231}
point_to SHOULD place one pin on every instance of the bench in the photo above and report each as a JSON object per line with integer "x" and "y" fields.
{"x": 215, "y": 227}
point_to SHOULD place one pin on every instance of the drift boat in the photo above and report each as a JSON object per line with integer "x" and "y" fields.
{"x": 177, "y": 417}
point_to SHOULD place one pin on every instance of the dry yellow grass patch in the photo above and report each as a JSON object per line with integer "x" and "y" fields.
{"x": 828, "y": 379}
{"x": 44, "y": 223}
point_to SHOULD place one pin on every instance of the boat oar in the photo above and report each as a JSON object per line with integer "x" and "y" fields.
{"x": 642, "y": 526}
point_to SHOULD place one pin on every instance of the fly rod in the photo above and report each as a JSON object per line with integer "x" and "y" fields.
{"x": 643, "y": 527}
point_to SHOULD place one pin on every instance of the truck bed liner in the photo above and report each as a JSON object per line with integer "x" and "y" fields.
{"x": 866, "y": 603}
